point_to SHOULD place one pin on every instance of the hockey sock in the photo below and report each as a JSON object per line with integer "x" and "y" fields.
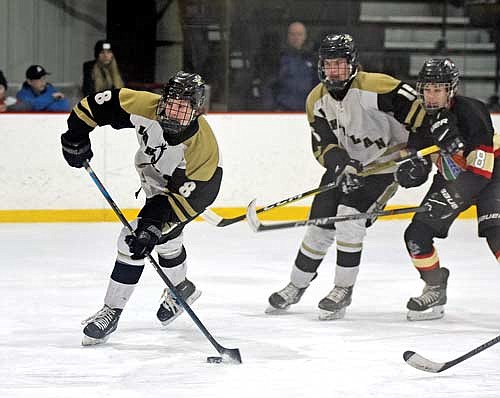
{"x": 419, "y": 243}
{"x": 345, "y": 276}
{"x": 301, "y": 278}
{"x": 122, "y": 283}
{"x": 314, "y": 247}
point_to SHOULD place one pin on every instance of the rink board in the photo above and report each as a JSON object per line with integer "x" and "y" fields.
{"x": 265, "y": 156}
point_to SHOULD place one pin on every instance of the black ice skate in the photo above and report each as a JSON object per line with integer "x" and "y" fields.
{"x": 430, "y": 305}
{"x": 169, "y": 308}
{"x": 280, "y": 301}
{"x": 334, "y": 304}
{"x": 100, "y": 325}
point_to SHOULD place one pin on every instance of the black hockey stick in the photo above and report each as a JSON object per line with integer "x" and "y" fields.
{"x": 257, "y": 226}
{"x": 421, "y": 363}
{"x": 211, "y": 217}
{"x": 231, "y": 354}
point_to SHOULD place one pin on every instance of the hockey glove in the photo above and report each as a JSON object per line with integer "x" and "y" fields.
{"x": 147, "y": 235}
{"x": 413, "y": 172}
{"x": 347, "y": 178}
{"x": 444, "y": 203}
{"x": 76, "y": 153}
{"x": 445, "y": 133}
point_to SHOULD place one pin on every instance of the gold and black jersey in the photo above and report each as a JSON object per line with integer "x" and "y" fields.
{"x": 371, "y": 122}
{"x": 189, "y": 173}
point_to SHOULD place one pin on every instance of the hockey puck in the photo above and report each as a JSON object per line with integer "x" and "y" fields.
{"x": 214, "y": 359}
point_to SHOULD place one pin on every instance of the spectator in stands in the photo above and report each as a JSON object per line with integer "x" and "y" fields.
{"x": 39, "y": 94}
{"x": 295, "y": 76}
{"x": 8, "y": 103}
{"x": 102, "y": 73}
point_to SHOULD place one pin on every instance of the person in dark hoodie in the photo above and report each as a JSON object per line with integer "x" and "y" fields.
{"x": 39, "y": 94}
{"x": 287, "y": 90}
{"x": 102, "y": 73}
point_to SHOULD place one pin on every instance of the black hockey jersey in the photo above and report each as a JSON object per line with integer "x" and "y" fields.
{"x": 482, "y": 145}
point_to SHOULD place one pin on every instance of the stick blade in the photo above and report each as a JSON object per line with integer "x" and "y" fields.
{"x": 231, "y": 355}
{"x": 252, "y": 218}
{"x": 421, "y": 363}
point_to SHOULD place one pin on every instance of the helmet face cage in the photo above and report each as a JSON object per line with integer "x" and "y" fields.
{"x": 438, "y": 73}
{"x": 172, "y": 112}
{"x": 336, "y": 46}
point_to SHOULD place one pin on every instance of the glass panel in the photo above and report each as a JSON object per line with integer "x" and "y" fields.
{"x": 244, "y": 51}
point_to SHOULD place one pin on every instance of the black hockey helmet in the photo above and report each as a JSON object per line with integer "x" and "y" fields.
{"x": 438, "y": 71}
{"x": 335, "y": 46}
{"x": 182, "y": 86}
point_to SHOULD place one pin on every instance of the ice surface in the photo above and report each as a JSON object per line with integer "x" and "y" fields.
{"x": 55, "y": 275}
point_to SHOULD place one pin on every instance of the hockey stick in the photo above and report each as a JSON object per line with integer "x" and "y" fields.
{"x": 257, "y": 226}
{"x": 211, "y": 217}
{"x": 421, "y": 363}
{"x": 231, "y": 354}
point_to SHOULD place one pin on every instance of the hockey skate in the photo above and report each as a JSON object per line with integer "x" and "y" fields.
{"x": 99, "y": 326}
{"x": 280, "y": 301}
{"x": 169, "y": 308}
{"x": 334, "y": 304}
{"x": 430, "y": 304}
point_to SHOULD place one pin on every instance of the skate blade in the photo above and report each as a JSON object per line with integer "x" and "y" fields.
{"x": 191, "y": 299}
{"x": 275, "y": 311}
{"x": 325, "y": 315}
{"x": 436, "y": 312}
{"x": 88, "y": 341}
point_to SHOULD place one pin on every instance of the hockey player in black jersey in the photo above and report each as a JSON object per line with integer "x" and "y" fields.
{"x": 178, "y": 163}
{"x": 468, "y": 173}
{"x": 356, "y": 118}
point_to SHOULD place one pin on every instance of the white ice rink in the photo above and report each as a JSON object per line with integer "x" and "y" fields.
{"x": 55, "y": 275}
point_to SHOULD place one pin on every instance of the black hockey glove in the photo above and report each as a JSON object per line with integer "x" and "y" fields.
{"x": 347, "y": 178}
{"x": 147, "y": 235}
{"x": 76, "y": 152}
{"x": 444, "y": 203}
{"x": 413, "y": 173}
{"x": 445, "y": 133}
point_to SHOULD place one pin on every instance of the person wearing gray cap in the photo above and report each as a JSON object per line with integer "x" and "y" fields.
{"x": 39, "y": 94}
{"x": 102, "y": 73}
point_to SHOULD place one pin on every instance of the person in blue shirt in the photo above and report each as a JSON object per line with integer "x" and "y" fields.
{"x": 296, "y": 76}
{"x": 41, "y": 95}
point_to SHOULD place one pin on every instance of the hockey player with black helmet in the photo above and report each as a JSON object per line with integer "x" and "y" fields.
{"x": 356, "y": 118}
{"x": 179, "y": 166}
{"x": 467, "y": 174}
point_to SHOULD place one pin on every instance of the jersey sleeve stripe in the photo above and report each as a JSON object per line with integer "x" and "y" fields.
{"x": 321, "y": 154}
{"x": 419, "y": 119}
{"x": 177, "y": 210}
{"x": 481, "y": 161}
{"x": 181, "y": 206}
{"x": 83, "y": 112}
{"x": 412, "y": 113}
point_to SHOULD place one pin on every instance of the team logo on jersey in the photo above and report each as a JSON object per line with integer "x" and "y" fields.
{"x": 366, "y": 141}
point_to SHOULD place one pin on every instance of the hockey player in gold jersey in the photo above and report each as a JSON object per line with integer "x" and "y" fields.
{"x": 356, "y": 118}
{"x": 180, "y": 171}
